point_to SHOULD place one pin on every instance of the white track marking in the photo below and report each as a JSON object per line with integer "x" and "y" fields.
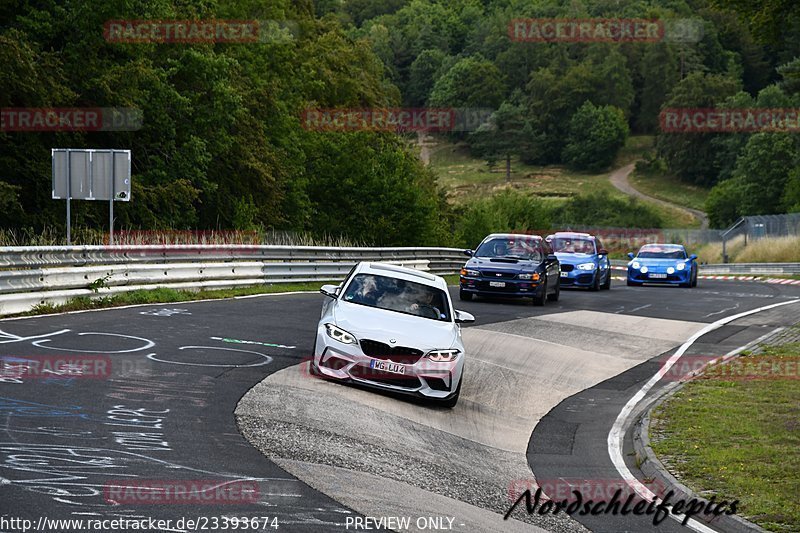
{"x": 267, "y": 359}
{"x": 617, "y": 433}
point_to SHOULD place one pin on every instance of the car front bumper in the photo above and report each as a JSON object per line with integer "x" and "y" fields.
{"x": 422, "y": 377}
{"x": 511, "y": 288}
{"x": 578, "y": 278}
{"x": 677, "y": 278}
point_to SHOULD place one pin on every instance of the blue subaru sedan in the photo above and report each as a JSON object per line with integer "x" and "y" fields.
{"x": 584, "y": 262}
{"x": 511, "y": 266}
{"x": 662, "y": 263}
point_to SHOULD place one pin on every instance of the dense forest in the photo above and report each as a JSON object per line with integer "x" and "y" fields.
{"x": 222, "y": 144}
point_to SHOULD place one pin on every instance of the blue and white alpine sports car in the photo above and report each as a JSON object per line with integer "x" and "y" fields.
{"x": 662, "y": 263}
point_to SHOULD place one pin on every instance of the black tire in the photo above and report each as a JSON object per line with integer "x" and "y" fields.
{"x": 596, "y": 284}
{"x": 466, "y": 296}
{"x": 607, "y": 284}
{"x": 556, "y": 294}
{"x": 539, "y": 301}
{"x": 694, "y": 280}
{"x": 451, "y": 401}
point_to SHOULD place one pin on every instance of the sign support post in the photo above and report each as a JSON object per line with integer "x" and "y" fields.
{"x": 69, "y": 189}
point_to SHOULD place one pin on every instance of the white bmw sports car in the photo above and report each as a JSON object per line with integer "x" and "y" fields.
{"x": 392, "y": 328}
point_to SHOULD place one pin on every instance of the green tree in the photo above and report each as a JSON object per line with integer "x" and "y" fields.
{"x": 503, "y": 135}
{"x": 690, "y": 156}
{"x": 471, "y": 82}
{"x": 595, "y": 136}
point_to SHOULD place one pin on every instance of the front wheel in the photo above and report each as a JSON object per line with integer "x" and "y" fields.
{"x": 540, "y": 299}
{"x": 596, "y": 284}
{"x": 607, "y": 285}
{"x": 466, "y": 296}
{"x": 556, "y": 294}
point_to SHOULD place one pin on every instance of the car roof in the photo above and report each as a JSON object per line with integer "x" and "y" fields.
{"x": 667, "y": 246}
{"x": 401, "y": 272}
{"x": 573, "y": 234}
{"x": 511, "y": 235}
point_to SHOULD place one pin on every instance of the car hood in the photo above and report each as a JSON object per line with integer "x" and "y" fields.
{"x": 575, "y": 259}
{"x": 381, "y": 325}
{"x": 649, "y": 261}
{"x": 502, "y": 265}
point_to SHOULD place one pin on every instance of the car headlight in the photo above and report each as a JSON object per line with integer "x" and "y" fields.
{"x": 670, "y": 270}
{"x": 636, "y": 265}
{"x": 680, "y": 266}
{"x": 472, "y": 273}
{"x": 338, "y": 334}
{"x": 587, "y": 266}
{"x": 644, "y": 270}
{"x": 534, "y": 276}
{"x": 443, "y": 356}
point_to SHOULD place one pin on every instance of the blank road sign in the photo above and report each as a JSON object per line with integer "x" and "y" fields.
{"x": 92, "y": 174}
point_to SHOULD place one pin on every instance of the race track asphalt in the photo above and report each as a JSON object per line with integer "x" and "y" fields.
{"x": 156, "y": 409}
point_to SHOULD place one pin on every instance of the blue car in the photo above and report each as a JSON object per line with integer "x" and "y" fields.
{"x": 584, "y": 262}
{"x": 511, "y": 266}
{"x": 662, "y": 263}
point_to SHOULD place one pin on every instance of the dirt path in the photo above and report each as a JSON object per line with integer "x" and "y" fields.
{"x": 619, "y": 179}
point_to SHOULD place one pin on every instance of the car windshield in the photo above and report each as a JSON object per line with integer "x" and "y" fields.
{"x": 571, "y": 245}
{"x": 398, "y": 295}
{"x": 662, "y": 252}
{"x": 510, "y": 247}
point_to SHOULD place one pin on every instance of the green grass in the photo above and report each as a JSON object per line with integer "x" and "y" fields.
{"x": 466, "y": 178}
{"x": 670, "y": 189}
{"x": 635, "y": 148}
{"x": 738, "y": 440}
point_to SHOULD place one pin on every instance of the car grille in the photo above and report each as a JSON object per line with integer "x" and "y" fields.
{"x": 397, "y": 354}
{"x": 385, "y": 378}
{"x": 567, "y": 267}
{"x": 497, "y": 275}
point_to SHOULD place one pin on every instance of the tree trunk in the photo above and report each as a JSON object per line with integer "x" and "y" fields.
{"x": 508, "y": 167}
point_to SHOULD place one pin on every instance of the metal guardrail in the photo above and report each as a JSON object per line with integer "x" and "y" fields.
{"x": 54, "y": 274}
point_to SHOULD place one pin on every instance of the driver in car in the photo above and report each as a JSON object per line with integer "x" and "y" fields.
{"x": 500, "y": 249}
{"x": 425, "y": 306}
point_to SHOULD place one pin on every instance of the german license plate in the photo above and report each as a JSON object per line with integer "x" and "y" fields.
{"x": 658, "y": 276}
{"x": 386, "y": 366}
{"x": 497, "y": 283}
{"x": 565, "y": 274}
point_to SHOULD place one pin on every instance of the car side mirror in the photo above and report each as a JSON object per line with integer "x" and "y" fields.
{"x": 602, "y": 251}
{"x": 693, "y": 257}
{"x": 630, "y": 254}
{"x": 462, "y": 317}
{"x": 468, "y": 253}
{"x": 331, "y": 291}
